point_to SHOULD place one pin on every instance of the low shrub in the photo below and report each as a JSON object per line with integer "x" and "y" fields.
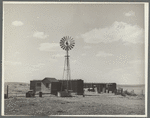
{"x": 130, "y": 93}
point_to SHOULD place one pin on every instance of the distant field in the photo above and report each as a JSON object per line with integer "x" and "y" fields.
{"x": 16, "y": 88}
{"x": 138, "y": 89}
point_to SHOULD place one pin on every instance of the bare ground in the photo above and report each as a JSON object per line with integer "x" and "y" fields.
{"x": 91, "y": 104}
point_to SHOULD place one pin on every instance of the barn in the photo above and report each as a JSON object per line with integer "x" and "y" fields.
{"x": 47, "y": 85}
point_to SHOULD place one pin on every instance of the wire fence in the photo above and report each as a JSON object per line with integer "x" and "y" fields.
{"x": 11, "y": 95}
{"x": 14, "y": 95}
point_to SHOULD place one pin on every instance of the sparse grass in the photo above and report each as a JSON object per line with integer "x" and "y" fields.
{"x": 102, "y": 104}
{"x": 91, "y": 104}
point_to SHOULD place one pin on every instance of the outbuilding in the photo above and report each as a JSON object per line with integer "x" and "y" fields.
{"x": 102, "y": 87}
{"x": 75, "y": 85}
{"x": 47, "y": 85}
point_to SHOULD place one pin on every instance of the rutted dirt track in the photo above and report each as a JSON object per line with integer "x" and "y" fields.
{"x": 91, "y": 104}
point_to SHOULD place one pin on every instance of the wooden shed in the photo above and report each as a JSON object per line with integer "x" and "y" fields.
{"x": 47, "y": 85}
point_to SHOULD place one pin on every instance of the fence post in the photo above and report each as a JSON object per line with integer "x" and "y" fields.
{"x": 121, "y": 91}
{"x": 40, "y": 94}
{"x": 142, "y": 91}
{"x": 7, "y": 91}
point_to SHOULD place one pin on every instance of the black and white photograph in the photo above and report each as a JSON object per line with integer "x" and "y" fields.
{"x": 75, "y": 59}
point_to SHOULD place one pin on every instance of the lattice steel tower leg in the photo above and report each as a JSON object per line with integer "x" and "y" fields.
{"x": 67, "y": 43}
{"x": 66, "y": 72}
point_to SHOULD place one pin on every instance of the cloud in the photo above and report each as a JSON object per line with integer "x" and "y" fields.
{"x": 103, "y": 54}
{"x": 16, "y": 53}
{"x": 74, "y": 61}
{"x": 136, "y": 62}
{"x": 126, "y": 75}
{"x": 17, "y": 23}
{"x": 40, "y": 35}
{"x": 58, "y": 55}
{"x": 130, "y": 13}
{"x": 49, "y": 47}
{"x": 12, "y": 63}
{"x": 83, "y": 54}
{"x": 118, "y": 31}
{"x": 87, "y": 47}
{"x": 31, "y": 68}
{"x": 38, "y": 65}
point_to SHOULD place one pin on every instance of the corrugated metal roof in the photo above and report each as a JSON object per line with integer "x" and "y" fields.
{"x": 50, "y": 79}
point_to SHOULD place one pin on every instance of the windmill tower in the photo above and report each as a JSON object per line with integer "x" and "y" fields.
{"x": 67, "y": 43}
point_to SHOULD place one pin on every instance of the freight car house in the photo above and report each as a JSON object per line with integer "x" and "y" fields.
{"x": 47, "y": 85}
{"x": 101, "y": 87}
{"x": 76, "y": 85}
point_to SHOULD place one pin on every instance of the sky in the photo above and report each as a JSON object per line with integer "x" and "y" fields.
{"x": 109, "y": 42}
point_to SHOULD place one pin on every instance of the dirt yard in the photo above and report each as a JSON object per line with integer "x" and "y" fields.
{"x": 91, "y": 104}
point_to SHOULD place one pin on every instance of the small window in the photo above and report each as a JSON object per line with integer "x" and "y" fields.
{"x": 39, "y": 84}
{"x": 47, "y": 85}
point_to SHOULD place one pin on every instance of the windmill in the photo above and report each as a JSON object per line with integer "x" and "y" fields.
{"x": 67, "y": 43}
